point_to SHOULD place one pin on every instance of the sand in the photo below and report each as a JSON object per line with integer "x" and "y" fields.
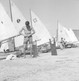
{"x": 63, "y": 67}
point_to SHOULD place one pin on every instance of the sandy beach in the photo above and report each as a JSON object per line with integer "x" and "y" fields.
{"x": 63, "y": 67}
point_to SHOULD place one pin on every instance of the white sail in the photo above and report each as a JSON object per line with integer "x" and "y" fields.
{"x": 62, "y": 33}
{"x": 72, "y": 36}
{"x": 66, "y": 34}
{"x": 40, "y": 29}
{"x": 19, "y": 22}
{"x": 7, "y": 28}
{"x": 17, "y": 16}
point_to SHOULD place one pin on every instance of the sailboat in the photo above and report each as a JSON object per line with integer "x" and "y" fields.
{"x": 7, "y": 29}
{"x": 62, "y": 33}
{"x": 72, "y": 36}
{"x": 19, "y": 21}
{"x": 67, "y": 34}
{"x": 40, "y": 29}
{"x": 41, "y": 32}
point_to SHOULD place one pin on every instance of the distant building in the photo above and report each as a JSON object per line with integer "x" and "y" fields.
{"x": 76, "y": 33}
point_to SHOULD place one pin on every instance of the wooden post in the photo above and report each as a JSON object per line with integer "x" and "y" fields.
{"x": 53, "y": 47}
{"x": 35, "y": 51}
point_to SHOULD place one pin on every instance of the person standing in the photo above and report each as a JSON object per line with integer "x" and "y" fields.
{"x": 62, "y": 46}
{"x": 53, "y": 47}
{"x": 27, "y": 31}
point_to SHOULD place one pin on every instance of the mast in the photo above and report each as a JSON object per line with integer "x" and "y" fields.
{"x": 30, "y": 18}
{"x": 31, "y": 37}
{"x": 11, "y": 40}
{"x": 10, "y": 11}
{"x": 57, "y": 32}
{"x": 31, "y": 23}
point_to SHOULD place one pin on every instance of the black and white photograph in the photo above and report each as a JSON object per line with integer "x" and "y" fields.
{"x": 39, "y": 40}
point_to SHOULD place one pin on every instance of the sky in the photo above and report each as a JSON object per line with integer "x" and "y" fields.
{"x": 49, "y": 11}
